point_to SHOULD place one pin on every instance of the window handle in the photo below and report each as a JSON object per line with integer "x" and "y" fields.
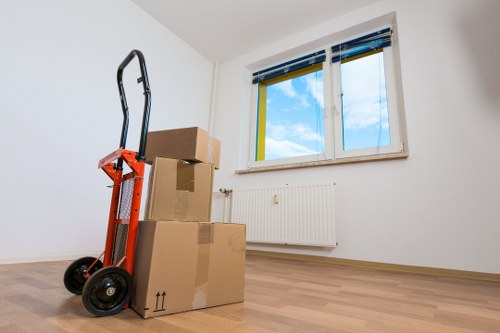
{"x": 336, "y": 111}
{"x": 331, "y": 110}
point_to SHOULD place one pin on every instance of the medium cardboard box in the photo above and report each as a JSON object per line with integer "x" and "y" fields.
{"x": 179, "y": 191}
{"x": 190, "y": 144}
{"x": 182, "y": 266}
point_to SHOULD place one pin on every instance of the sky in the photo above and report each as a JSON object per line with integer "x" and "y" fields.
{"x": 364, "y": 103}
{"x": 295, "y": 111}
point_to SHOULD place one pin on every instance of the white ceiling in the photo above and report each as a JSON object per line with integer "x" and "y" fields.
{"x": 223, "y": 29}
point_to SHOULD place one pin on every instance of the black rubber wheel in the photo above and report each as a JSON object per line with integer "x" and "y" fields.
{"x": 107, "y": 291}
{"x": 74, "y": 278}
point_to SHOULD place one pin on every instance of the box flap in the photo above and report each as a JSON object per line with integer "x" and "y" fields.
{"x": 191, "y": 144}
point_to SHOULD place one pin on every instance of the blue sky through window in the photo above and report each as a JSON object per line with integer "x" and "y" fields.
{"x": 294, "y": 117}
{"x": 364, "y": 103}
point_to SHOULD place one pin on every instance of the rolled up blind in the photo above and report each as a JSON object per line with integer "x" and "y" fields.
{"x": 371, "y": 42}
{"x": 289, "y": 66}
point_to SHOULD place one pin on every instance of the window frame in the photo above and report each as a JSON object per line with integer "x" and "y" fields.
{"x": 396, "y": 145}
{"x": 333, "y": 146}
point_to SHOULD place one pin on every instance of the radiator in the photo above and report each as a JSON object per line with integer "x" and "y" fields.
{"x": 292, "y": 214}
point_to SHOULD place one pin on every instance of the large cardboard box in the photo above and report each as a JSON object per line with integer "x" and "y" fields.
{"x": 181, "y": 266}
{"x": 179, "y": 191}
{"x": 190, "y": 144}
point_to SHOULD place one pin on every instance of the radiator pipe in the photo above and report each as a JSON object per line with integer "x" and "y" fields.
{"x": 226, "y": 193}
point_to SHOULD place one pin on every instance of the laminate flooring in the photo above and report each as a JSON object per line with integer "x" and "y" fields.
{"x": 281, "y": 295}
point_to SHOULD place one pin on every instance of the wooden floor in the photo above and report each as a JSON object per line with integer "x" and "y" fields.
{"x": 281, "y": 296}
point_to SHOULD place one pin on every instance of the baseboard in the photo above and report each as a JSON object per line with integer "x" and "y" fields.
{"x": 54, "y": 257}
{"x": 444, "y": 272}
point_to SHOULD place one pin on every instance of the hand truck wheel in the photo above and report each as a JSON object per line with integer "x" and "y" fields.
{"x": 74, "y": 276}
{"x": 107, "y": 291}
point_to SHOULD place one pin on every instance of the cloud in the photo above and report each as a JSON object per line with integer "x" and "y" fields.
{"x": 364, "y": 94}
{"x": 305, "y": 133}
{"x": 275, "y": 131}
{"x": 286, "y": 88}
{"x": 365, "y": 115}
{"x": 290, "y": 140}
{"x": 285, "y": 148}
{"x": 303, "y": 101}
{"x": 295, "y": 132}
{"x": 314, "y": 86}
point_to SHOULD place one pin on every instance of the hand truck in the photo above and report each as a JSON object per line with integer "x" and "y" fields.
{"x": 106, "y": 287}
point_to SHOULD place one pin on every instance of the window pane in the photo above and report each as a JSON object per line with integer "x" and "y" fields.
{"x": 365, "y": 119}
{"x": 294, "y": 117}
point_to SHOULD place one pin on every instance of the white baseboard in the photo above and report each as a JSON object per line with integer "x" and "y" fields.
{"x": 27, "y": 258}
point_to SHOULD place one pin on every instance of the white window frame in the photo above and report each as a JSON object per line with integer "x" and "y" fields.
{"x": 332, "y": 112}
{"x": 396, "y": 145}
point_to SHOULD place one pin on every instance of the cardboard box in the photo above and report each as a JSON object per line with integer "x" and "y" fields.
{"x": 190, "y": 144}
{"x": 182, "y": 266}
{"x": 179, "y": 191}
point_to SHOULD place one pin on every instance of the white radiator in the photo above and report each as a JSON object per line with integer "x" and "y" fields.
{"x": 293, "y": 214}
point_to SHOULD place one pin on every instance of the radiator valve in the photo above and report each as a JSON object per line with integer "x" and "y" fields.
{"x": 225, "y": 191}
{"x": 276, "y": 199}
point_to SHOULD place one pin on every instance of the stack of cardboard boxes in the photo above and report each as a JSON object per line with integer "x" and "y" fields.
{"x": 183, "y": 261}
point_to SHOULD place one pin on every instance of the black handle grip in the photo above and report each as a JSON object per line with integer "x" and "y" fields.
{"x": 147, "y": 104}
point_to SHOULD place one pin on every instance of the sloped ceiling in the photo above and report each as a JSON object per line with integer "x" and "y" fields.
{"x": 223, "y": 29}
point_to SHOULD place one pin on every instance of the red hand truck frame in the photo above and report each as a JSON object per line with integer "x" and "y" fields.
{"x": 106, "y": 287}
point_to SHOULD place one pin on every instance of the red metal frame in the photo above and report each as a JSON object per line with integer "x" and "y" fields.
{"x": 137, "y": 167}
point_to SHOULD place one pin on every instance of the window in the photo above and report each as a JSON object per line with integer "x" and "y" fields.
{"x": 290, "y": 115}
{"x": 335, "y": 103}
{"x": 290, "y": 103}
{"x": 364, "y": 96}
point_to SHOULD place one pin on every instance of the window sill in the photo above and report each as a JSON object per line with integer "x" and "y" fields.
{"x": 346, "y": 160}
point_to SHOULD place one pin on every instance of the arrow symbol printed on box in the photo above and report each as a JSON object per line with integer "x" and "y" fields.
{"x": 163, "y": 300}
{"x": 157, "y": 300}
{"x": 157, "y": 307}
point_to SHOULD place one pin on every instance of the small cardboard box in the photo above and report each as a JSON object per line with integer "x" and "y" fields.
{"x": 179, "y": 191}
{"x": 182, "y": 266}
{"x": 190, "y": 144}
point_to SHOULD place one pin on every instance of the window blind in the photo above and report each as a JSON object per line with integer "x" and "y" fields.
{"x": 289, "y": 66}
{"x": 371, "y": 42}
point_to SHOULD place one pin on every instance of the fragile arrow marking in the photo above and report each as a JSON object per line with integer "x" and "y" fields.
{"x": 157, "y": 309}
{"x": 157, "y": 300}
{"x": 163, "y": 300}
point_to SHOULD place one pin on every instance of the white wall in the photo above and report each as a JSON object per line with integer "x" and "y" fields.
{"x": 439, "y": 207}
{"x": 60, "y": 113}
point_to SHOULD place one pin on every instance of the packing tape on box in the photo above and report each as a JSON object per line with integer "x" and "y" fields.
{"x": 205, "y": 233}
{"x": 181, "y": 203}
{"x": 185, "y": 177}
{"x": 184, "y": 186}
{"x": 205, "y": 238}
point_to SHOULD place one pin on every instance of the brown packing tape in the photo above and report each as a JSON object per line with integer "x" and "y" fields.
{"x": 181, "y": 203}
{"x": 185, "y": 176}
{"x": 205, "y": 233}
{"x": 184, "y": 186}
{"x": 205, "y": 239}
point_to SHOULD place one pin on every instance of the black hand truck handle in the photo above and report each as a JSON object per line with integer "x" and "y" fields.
{"x": 147, "y": 104}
